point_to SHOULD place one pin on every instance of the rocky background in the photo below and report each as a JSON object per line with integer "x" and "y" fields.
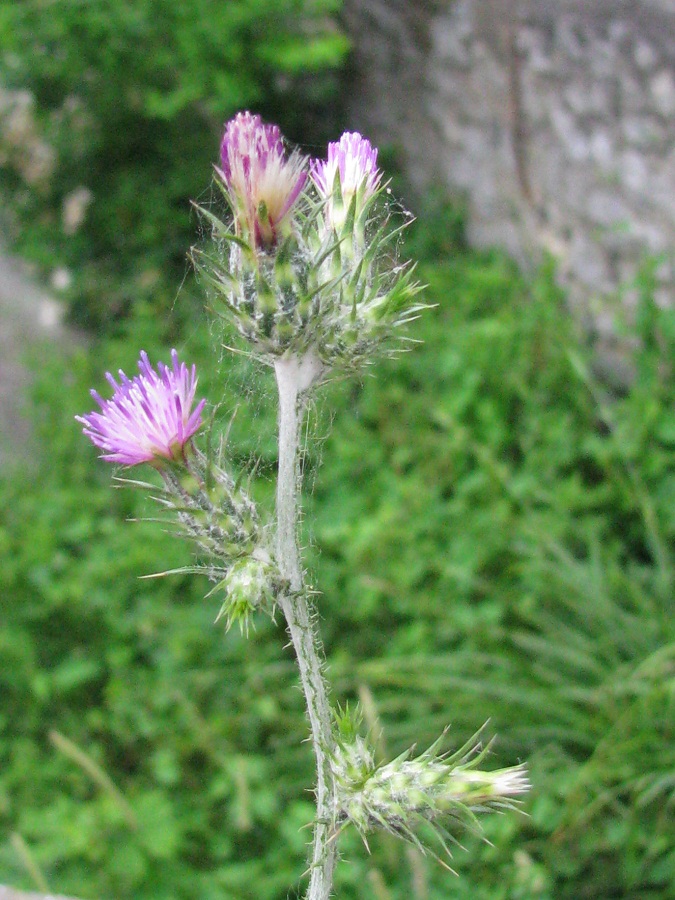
{"x": 555, "y": 119}
{"x": 29, "y": 317}
{"x": 10, "y": 894}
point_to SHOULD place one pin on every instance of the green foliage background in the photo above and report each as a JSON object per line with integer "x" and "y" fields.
{"x": 490, "y": 527}
{"x": 492, "y": 536}
{"x": 129, "y": 100}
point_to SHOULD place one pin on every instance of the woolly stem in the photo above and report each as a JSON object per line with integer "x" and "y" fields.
{"x": 295, "y": 375}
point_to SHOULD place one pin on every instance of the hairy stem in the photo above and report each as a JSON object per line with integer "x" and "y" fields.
{"x": 295, "y": 375}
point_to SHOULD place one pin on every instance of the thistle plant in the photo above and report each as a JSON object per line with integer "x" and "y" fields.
{"x": 305, "y": 266}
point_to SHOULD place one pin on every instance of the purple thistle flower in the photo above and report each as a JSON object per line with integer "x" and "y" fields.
{"x": 355, "y": 159}
{"x": 149, "y": 417}
{"x": 263, "y": 184}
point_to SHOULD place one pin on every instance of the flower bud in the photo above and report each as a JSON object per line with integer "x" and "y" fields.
{"x": 262, "y": 183}
{"x": 434, "y": 788}
{"x": 251, "y": 584}
{"x": 349, "y": 177}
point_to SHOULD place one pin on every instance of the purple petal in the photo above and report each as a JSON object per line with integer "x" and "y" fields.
{"x": 149, "y": 416}
{"x": 256, "y": 172}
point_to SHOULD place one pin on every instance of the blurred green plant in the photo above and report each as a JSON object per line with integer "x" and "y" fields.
{"x": 111, "y": 112}
{"x": 493, "y": 532}
{"x": 517, "y": 556}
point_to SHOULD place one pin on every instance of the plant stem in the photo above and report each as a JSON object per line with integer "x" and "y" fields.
{"x": 295, "y": 375}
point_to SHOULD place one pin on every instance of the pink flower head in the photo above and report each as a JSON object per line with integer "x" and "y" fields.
{"x": 263, "y": 183}
{"x": 148, "y": 417}
{"x": 355, "y": 159}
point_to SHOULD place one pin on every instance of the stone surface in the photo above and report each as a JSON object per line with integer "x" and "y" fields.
{"x": 28, "y": 317}
{"x": 7, "y": 893}
{"x": 554, "y": 118}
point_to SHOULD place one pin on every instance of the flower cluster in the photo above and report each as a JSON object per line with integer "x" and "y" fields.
{"x": 307, "y": 270}
{"x": 307, "y": 265}
{"x": 151, "y": 419}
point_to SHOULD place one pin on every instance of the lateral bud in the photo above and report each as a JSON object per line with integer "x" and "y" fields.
{"x": 414, "y": 796}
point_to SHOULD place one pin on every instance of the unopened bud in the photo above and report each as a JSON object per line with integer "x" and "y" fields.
{"x": 250, "y": 585}
{"x": 435, "y": 788}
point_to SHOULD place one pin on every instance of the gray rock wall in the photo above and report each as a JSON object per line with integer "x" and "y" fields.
{"x": 10, "y": 894}
{"x": 555, "y": 118}
{"x": 29, "y": 318}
